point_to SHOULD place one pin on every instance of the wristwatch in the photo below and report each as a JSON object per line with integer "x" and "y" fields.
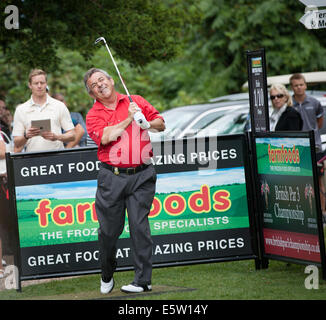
{"x": 25, "y": 136}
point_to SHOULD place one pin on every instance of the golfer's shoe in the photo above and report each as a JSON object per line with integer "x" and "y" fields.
{"x": 107, "y": 287}
{"x": 136, "y": 288}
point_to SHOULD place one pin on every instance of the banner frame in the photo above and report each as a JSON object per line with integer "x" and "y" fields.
{"x": 13, "y": 213}
{"x": 251, "y": 227}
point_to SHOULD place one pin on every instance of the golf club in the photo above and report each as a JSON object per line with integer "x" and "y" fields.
{"x": 115, "y": 65}
{"x": 137, "y": 114}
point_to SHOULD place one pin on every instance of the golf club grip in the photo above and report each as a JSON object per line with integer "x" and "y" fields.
{"x": 140, "y": 121}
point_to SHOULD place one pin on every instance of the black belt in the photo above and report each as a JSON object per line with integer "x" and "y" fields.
{"x": 129, "y": 171}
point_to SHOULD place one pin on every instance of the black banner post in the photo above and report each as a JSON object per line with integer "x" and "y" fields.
{"x": 258, "y": 96}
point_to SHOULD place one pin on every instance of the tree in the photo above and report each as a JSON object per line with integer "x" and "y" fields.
{"x": 140, "y": 31}
{"x": 232, "y": 27}
{"x": 180, "y": 63}
{"x": 58, "y": 36}
{"x": 214, "y": 62}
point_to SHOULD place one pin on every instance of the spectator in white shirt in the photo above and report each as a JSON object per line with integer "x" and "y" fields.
{"x": 40, "y": 107}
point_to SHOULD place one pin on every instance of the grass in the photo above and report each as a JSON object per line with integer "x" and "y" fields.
{"x": 236, "y": 280}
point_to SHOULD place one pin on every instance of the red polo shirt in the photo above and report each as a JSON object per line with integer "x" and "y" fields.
{"x": 133, "y": 147}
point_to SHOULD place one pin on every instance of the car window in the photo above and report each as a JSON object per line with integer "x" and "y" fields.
{"x": 175, "y": 122}
{"x": 203, "y": 122}
{"x": 178, "y": 119}
{"x": 207, "y": 119}
{"x": 230, "y": 123}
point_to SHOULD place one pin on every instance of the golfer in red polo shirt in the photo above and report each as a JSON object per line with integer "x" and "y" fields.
{"x": 126, "y": 179}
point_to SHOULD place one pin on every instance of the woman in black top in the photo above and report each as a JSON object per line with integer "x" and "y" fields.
{"x": 283, "y": 117}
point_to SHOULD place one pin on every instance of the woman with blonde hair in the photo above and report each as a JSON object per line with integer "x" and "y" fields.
{"x": 283, "y": 116}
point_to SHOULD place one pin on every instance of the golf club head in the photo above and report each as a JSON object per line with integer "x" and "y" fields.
{"x": 99, "y": 39}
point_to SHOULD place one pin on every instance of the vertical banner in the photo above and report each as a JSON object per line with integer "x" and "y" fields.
{"x": 199, "y": 213}
{"x": 289, "y": 198}
{"x": 258, "y": 96}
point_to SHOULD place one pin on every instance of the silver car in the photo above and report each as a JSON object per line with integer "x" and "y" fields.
{"x": 203, "y": 119}
{"x": 223, "y": 115}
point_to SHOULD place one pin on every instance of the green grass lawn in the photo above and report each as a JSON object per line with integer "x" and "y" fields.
{"x": 236, "y": 280}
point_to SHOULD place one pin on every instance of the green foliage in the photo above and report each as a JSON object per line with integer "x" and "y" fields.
{"x": 173, "y": 52}
{"x": 139, "y": 30}
{"x": 214, "y": 62}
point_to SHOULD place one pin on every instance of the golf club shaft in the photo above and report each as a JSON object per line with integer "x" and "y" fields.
{"x": 117, "y": 69}
{"x": 138, "y": 118}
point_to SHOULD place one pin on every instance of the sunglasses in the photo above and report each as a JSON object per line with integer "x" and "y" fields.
{"x": 279, "y": 96}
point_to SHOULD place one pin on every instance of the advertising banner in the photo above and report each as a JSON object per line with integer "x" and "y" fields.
{"x": 200, "y": 210}
{"x": 289, "y": 198}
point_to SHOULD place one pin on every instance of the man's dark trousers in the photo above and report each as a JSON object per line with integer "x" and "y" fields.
{"x": 115, "y": 194}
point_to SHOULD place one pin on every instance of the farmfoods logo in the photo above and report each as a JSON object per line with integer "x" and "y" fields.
{"x": 174, "y": 204}
{"x": 283, "y": 155}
